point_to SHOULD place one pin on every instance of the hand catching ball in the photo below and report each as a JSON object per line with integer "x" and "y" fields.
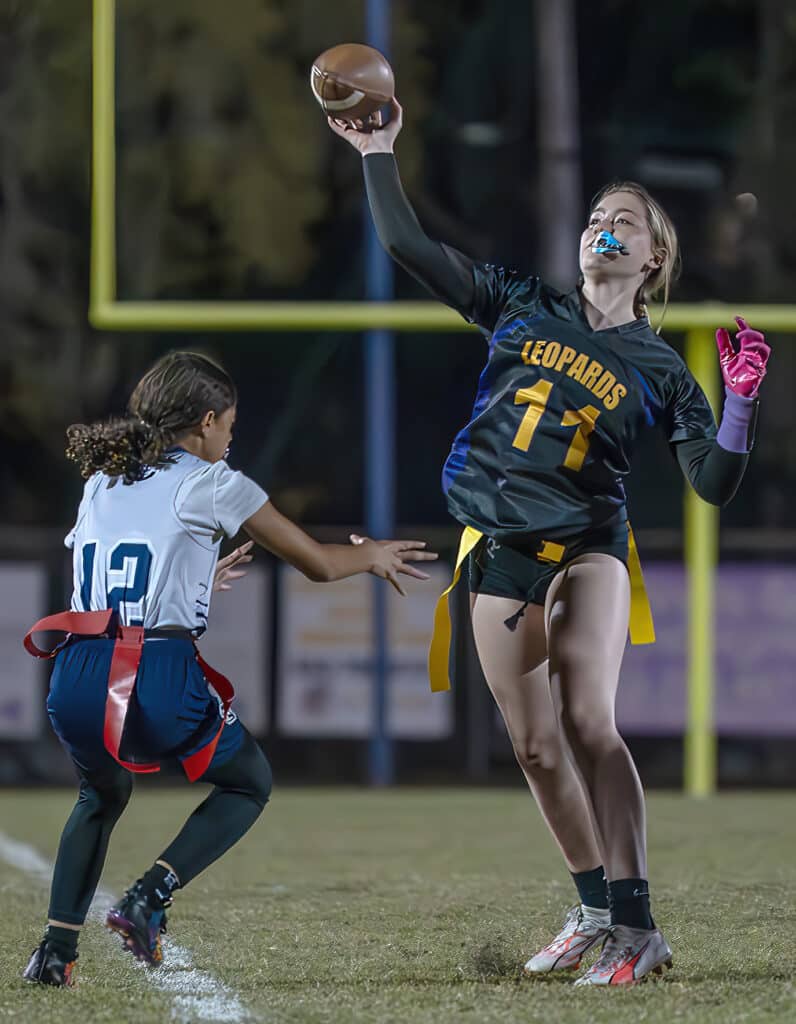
{"x": 351, "y": 82}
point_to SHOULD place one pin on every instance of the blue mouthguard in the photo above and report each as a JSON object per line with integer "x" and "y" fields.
{"x": 605, "y": 242}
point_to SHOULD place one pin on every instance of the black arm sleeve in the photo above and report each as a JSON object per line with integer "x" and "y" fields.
{"x": 447, "y": 273}
{"x": 714, "y": 473}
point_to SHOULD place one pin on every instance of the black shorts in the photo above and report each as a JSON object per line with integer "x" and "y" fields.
{"x": 517, "y": 571}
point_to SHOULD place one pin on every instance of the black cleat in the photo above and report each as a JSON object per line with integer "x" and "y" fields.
{"x": 140, "y": 924}
{"x": 48, "y": 967}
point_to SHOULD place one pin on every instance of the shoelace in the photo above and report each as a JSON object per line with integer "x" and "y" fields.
{"x": 135, "y": 892}
{"x": 610, "y": 960}
{"x": 572, "y": 922}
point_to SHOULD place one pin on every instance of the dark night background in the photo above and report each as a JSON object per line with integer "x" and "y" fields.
{"x": 231, "y": 186}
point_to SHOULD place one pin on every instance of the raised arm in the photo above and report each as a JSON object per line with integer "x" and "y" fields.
{"x": 447, "y": 273}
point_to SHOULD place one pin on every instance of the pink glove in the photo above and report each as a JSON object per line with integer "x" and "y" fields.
{"x": 745, "y": 369}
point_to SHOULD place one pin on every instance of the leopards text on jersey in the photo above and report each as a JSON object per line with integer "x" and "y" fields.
{"x": 558, "y": 411}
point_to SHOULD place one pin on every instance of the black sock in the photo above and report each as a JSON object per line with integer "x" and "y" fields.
{"x": 592, "y": 887}
{"x": 630, "y": 902}
{"x": 159, "y": 883}
{"x": 64, "y": 940}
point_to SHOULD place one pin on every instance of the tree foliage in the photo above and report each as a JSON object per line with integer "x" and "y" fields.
{"x": 223, "y": 151}
{"x": 226, "y": 175}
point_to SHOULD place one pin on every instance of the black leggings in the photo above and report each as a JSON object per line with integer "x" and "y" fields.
{"x": 241, "y": 789}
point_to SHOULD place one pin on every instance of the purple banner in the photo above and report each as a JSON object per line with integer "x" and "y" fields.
{"x": 755, "y": 654}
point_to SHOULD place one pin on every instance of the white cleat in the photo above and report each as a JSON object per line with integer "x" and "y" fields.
{"x": 628, "y": 956}
{"x": 583, "y": 928}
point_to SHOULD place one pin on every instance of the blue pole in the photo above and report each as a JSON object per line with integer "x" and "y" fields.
{"x": 379, "y": 443}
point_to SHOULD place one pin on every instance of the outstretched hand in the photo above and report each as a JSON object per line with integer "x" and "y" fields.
{"x": 743, "y": 370}
{"x": 371, "y": 137}
{"x": 225, "y": 569}
{"x": 390, "y": 557}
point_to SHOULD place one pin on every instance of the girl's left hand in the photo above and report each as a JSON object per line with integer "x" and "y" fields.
{"x": 744, "y": 370}
{"x": 392, "y": 556}
{"x": 226, "y": 571}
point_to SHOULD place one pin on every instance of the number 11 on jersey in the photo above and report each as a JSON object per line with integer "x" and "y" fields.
{"x": 584, "y": 420}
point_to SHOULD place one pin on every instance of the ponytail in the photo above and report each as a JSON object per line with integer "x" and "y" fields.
{"x": 171, "y": 398}
{"x": 129, "y": 448}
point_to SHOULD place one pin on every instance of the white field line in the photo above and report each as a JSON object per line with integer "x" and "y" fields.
{"x": 195, "y": 995}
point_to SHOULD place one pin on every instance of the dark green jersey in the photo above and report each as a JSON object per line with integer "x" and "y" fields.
{"x": 558, "y": 410}
{"x": 559, "y": 406}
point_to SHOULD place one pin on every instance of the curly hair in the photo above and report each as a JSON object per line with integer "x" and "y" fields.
{"x": 170, "y": 398}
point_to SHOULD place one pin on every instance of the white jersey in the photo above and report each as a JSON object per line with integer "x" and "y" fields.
{"x": 149, "y": 549}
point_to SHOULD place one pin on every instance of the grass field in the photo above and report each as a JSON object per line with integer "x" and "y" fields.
{"x": 412, "y": 906}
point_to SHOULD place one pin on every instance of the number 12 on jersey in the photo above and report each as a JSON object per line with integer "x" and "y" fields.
{"x": 126, "y": 578}
{"x": 583, "y": 420}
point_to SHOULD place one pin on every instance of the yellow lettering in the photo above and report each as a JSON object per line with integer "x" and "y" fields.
{"x": 551, "y": 353}
{"x": 589, "y": 378}
{"x": 567, "y": 355}
{"x": 536, "y": 400}
{"x": 577, "y": 368}
{"x": 615, "y": 397}
{"x": 526, "y": 352}
{"x": 536, "y": 355}
{"x": 604, "y": 385}
{"x": 584, "y": 419}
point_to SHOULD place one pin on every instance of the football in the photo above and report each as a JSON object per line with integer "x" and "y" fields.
{"x": 351, "y": 81}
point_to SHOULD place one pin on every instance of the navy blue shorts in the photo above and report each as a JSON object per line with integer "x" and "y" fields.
{"x": 172, "y": 712}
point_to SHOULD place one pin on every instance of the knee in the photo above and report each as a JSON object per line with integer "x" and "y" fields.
{"x": 254, "y": 773}
{"x": 262, "y": 780}
{"x": 538, "y": 752}
{"x": 247, "y": 773}
{"x": 107, "y": 798}
{"x": 589, "y": 728}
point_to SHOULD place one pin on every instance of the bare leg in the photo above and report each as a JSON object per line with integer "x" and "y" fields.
{"x": 516, "y": 669}
{"x": 587, "y": 613}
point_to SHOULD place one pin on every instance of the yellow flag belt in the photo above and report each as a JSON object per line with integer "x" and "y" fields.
{"x": 642, "y": 630}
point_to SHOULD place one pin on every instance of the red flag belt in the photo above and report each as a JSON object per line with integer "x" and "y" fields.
{"x": 127, "y": 651}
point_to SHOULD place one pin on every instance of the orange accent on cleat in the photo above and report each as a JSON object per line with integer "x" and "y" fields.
{"x": 627, "y": 972}
{"x": 577, "y": 936}
{"x": 629, "y": 955}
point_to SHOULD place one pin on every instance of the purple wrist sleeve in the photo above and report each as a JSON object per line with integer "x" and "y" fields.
{"x": 733, "y": 435}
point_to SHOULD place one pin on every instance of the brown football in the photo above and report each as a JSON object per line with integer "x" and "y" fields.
{"x": 352, "y": 81}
